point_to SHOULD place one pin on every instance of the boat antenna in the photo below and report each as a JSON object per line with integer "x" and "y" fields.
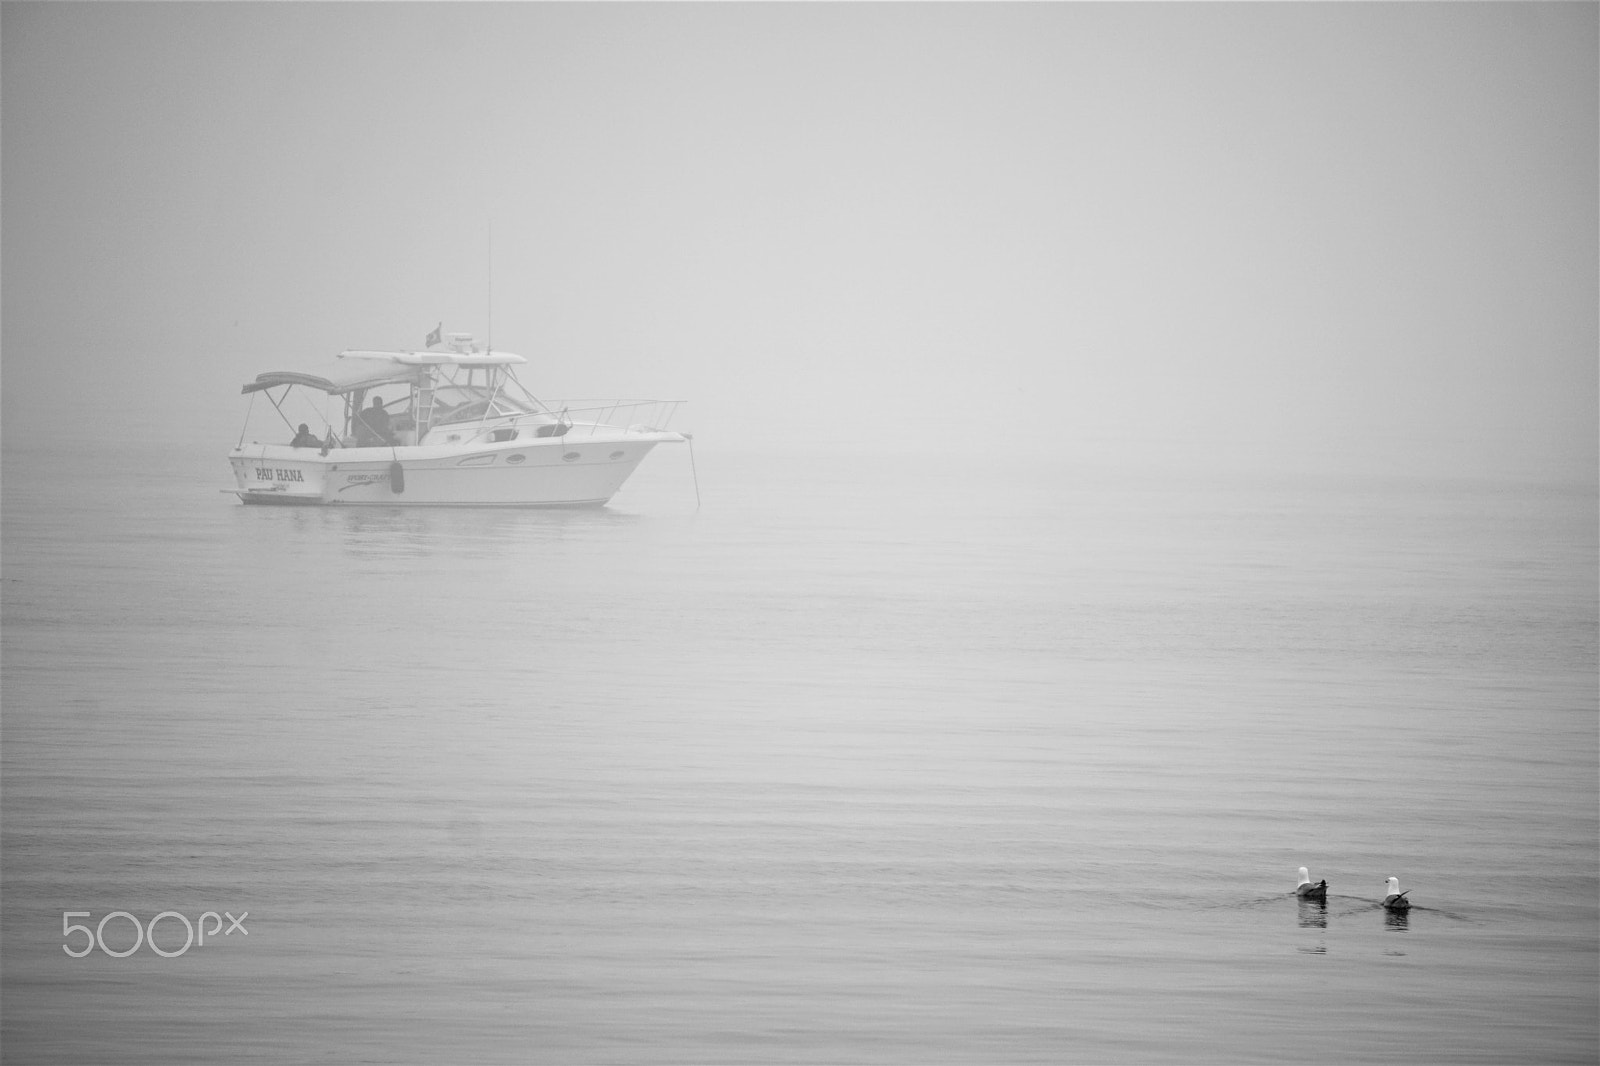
{"x": 489, "y": 300}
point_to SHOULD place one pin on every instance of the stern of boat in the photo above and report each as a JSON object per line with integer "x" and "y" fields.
{"x": 265, "y": 477}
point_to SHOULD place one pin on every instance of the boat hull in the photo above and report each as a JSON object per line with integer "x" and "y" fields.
{"x": 544, "y": 473}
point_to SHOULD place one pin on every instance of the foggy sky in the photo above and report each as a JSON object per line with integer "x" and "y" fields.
{"x": 1324, "y": 234}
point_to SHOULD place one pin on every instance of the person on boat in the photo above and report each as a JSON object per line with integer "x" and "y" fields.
{"x": 304, "y": 438}
{"x": 372, "y": 425}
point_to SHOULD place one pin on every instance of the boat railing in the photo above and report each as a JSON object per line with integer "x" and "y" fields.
{"x": 588, "y": 416}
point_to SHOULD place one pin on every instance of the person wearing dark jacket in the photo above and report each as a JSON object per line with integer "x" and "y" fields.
{"x": 372, "y": 426}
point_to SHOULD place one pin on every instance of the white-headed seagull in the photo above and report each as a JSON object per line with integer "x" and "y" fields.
{"x": 1306, "y": 890}
{"x": 1394, "y": 899}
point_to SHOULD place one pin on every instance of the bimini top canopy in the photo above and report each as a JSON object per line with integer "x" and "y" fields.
{"x": 473, "y": 358}
{"x": 364, "y": 378}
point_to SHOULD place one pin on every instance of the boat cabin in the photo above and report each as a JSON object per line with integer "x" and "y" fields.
{"x": 397, "y": 399}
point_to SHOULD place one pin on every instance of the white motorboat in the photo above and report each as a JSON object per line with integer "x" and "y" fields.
{"x": 451, "y": 426}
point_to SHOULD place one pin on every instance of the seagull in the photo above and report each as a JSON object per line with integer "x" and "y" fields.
{"x": 1306, "y": 890}
{"x": 1395, "y": 900}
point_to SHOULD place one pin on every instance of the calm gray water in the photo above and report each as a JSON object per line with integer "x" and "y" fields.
{"x": 867, "y": 760}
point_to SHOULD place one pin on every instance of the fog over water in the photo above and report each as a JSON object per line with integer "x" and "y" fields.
{"x": 1139, "y": 450}
{"x": 1305, "y": 234}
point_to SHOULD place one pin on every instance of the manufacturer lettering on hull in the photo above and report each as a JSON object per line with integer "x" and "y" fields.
{"x": 356, "y": 481}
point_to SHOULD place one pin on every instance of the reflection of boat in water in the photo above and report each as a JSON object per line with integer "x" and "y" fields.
{"x": 451, "y": 426}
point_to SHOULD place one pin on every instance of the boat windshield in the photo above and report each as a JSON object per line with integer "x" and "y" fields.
{"x": 468, "y": 403}
{"x": 470, "y": 394}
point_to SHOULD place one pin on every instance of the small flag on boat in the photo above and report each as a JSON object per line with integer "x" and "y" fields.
{"x": 435, "y": 336}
